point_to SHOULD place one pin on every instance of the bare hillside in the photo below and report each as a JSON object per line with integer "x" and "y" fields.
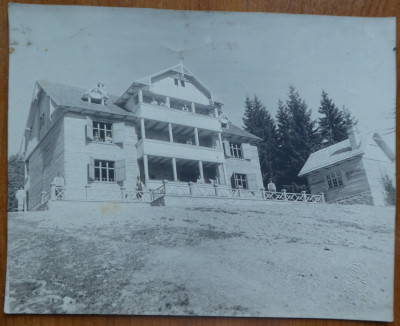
{"x": 267, "y": 260}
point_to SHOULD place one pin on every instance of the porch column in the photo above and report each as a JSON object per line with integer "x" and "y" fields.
{"x": 220, "y": 140}
{"x": 146, "y": 167}
{"x": 224, "y": 170}
{"x": 142, "y": 130}
{"x": 193, "y": 108}
{"x": 196, "y": 136}
{"x": 216, "y": 112}
{"x": 174, "y": 169}
{"x": 201, "y": 170}
{"x": 167, "y": 103}
{"x": 171, "y": 136}
{"x": 140, "y": 96}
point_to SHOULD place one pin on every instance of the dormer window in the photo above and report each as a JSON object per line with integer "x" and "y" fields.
{"x": 97, "y": 94}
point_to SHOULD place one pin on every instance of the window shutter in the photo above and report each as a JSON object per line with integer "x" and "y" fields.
{"x": 247, "y": 154}
{"x": 233, "y": 181}
{"x": 118, "y": 133}
{"x": 227, "y": 149}
{"x": 251, "y": 181}
{"x": 91, "y": 169}
{"x": 343, "y": 174}
{"x": 89, "y": 128}
{"x": 120, "y": 171}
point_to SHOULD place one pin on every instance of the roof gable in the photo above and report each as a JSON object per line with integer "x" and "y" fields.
{"x": 179, "y": 72}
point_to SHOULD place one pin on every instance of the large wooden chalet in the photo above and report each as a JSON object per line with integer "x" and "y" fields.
{"x": 166, "y": 126}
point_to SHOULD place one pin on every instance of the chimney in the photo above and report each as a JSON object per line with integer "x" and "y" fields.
{"x": 354, "y": 136}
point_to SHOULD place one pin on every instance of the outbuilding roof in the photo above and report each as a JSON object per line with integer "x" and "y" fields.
{"x": 342, "y": 151}
{"x": 330, "y": 155}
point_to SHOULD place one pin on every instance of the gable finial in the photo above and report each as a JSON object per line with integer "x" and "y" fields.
{"x": 181, "y": 69}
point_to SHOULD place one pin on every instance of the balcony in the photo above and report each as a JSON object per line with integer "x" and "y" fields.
{"x": 177, "y": 116}
{"x": 154, "y": 147}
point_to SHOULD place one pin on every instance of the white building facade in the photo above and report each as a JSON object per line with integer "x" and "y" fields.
{"x": 167, "y": 127}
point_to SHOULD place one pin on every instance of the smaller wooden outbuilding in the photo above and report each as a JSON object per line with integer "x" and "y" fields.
{"x": 358, "y": 170}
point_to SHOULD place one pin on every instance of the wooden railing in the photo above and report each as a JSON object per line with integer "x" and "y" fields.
{"x": 215, "y": 190}
{"x": 92, "y": 194}
{"x": 174, "y": 189}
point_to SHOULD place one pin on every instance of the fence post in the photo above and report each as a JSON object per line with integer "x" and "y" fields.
{"x": 303, "y": 194}
{"x": 190, "y": 188}
{"x": 52, "y": 191}
{"x": 123, "y": 193}
{"x": 240, "y": 191}
{"x": 284, "y": 194}
{"x": 263, "y": 192}
{"x": 165, "y": 186}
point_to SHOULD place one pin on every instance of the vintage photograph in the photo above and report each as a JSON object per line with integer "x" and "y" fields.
{"x": 191, "y": 163}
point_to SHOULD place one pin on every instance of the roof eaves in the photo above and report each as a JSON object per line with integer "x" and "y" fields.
{"x": 308, "y": 171}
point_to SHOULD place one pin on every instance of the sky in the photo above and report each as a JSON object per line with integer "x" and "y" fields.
{"x": 234, "y": 54}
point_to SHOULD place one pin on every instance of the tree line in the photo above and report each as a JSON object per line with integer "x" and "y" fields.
{"x": 289, "y": 139}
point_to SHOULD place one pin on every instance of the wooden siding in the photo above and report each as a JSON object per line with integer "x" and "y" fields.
{"x": 242, "y": 166}
{"x": 39, "y": 107}
{"x": 46, "y": 160}
{"x": 190, "y": 92}
{"x": 78, "y": 151}
{"x": 354, "y": 178}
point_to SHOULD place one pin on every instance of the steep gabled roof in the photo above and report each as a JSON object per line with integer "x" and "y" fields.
{"x": 178, "y": 69}
{"x": 69, "y": 96}
{"x": 342, "y": 151}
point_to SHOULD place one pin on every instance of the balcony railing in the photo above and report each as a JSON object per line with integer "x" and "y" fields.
{"x": 154, "y": 147}
{"x": 179, "y": 117}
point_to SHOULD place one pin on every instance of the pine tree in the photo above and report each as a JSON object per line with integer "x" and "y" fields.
{"x": 16, "y": 177}
{"x": 348, "y": 117}
{"x": 258, "y": 121}
{"x": 297, "y": 139}
{"x": 333, "y": 123}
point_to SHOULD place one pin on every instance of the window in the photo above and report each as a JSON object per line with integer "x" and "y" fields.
{"x": 334, "y": 179}
{"x": 176, "y": 81}
{"x": 182, "y": 83}
{"x": 102, "y": 131}
{"x": 240, "y": 180}
{"x": 236, "y": 150}
{"x": 104, "y": 171}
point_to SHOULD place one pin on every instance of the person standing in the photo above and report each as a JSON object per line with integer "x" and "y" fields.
{"x": 139, "y": 188}
{"x": 271, "y": 186}
{"x": 21, "y": 198}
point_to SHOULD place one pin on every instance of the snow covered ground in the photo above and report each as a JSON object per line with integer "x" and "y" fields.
{"x": 295, "y": 260}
